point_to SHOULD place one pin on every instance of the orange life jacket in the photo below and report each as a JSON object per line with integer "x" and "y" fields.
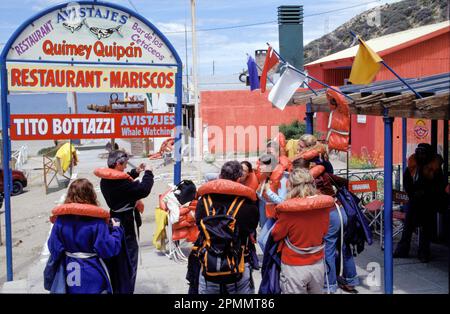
{"x": 338, "y": 122}
{"x": 113, "y": 174}
{"x": 78, "y": 209}
{"x": 251, "y": 181}
{"x": 227, "y": 187}
{"x": 310, "y": 153}
{"x": 185, "y": 228}
{"x": 305, "y": 229}
{"x": 316, "y": 171}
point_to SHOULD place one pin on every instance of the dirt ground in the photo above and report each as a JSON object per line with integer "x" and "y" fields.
{"x": 30, "y": 211}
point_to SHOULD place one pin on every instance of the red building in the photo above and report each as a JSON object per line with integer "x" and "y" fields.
{"x": 228, "y": 111}
{"x": 413, "y": 53}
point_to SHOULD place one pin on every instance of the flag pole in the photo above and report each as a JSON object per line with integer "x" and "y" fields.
{"x": 312, "y": 78}
{"x": 392, "y": 71}
{"x": 259, "y": 68}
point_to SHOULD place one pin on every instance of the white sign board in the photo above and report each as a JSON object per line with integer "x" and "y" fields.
{"x": 93, "y": 33}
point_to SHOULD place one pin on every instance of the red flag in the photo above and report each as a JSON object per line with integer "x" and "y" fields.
{"x": 271, "y": 61}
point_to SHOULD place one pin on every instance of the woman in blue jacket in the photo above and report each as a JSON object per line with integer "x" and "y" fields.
{"x": 80, "y": 240}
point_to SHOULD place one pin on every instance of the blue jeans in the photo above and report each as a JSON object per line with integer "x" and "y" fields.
{"x": 332, "y": 254}
{"x": 243, "y": 286}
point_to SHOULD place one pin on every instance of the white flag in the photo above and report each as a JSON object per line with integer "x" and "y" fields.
{"x": 285, "y": 88}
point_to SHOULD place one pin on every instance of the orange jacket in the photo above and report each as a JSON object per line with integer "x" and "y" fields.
{"x": 338, "y": 122}
{"x": 185, "y": 228}
{"x": 251, "y": 181}
{"x": 305, "y": 222}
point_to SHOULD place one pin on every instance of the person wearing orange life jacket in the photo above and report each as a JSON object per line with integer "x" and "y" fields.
{"x": 123, "y": 195}
{"x": 273, "y": 178}
{"x": 310, "y": 149}
{"x": 81, "y": 236}
{"x": 338, "y": 219}
{"x": 249, "y": 177}
{"x": 227, "y": 193}
{"x": 302, "y": 223}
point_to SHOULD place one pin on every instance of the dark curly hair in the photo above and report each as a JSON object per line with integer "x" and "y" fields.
{"x": 231, "y": 170}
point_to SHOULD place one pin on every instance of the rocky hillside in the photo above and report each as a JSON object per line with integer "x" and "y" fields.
{"x": 376, "y": 22}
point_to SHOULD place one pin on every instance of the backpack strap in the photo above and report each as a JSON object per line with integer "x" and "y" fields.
{"x": 234, "y": 209}
{"x": 207, "y": 202}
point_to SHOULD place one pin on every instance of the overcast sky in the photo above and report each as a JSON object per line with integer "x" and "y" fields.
{"x": 227, "y": 48}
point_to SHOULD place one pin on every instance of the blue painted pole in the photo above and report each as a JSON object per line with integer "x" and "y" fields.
{"x": 178, "y": 125}
{"x": 404, "y": 143}
{"x": 388, "y": 262}
{"x": 6, "y": 157}
{"x": 309, "y": 119}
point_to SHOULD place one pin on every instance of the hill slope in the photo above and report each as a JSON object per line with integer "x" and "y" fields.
{"x": 392, "y": 18}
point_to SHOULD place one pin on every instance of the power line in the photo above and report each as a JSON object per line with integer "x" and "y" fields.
{"x": 273, "y": 21}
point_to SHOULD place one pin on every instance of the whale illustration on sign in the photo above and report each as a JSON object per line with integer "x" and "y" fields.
{"x": 103, "y": 32}
{"x": 73, "y": 27}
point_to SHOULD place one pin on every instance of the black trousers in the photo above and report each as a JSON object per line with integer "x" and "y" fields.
{"x": 418, "y": 215}
{"x": 133, "y": 253}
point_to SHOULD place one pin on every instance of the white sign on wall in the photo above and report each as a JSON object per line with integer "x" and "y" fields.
{"x": 93, "y": 33}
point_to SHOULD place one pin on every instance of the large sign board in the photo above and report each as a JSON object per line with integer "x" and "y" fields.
{"x": 90, "y": 126}
{"x": 87, "y": 32}
{"x": 27, "y": 77}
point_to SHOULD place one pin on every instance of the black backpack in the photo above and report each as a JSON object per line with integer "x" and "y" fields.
{"x": 185, "y": 191}
{"x": 221, "y": 252}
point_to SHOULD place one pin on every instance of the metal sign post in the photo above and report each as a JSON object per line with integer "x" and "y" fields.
{"x": 117, "y": 50}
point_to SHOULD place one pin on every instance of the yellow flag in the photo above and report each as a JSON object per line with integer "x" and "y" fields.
{"x": 365, "y": 66}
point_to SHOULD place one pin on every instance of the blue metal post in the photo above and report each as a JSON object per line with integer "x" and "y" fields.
{"x": 388, "y": 263}
{"x": 309, "y": 119}
{"x": 404, "y": 143}
{"x": 6, "y": 157}
{"x": 178, "y": 125}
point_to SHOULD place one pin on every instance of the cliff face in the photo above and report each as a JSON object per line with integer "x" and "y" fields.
{"x": 379, "y": 21}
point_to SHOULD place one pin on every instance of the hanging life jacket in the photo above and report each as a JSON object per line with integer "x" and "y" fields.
{"x": 338, "y": 122}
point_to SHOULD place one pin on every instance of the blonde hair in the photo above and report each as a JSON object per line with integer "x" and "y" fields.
{"x": 308, "y": 139}
{"x": 302, "y": 184}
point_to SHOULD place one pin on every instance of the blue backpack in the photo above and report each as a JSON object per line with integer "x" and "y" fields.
{"x": 271, "y": 267}
{"x": 357, "y": 231}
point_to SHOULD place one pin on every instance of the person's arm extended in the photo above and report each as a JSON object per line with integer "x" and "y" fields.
{"x": 138, "y": 190}
{"x": 133, "y": 173}
{"x": 108, "y": 243}
{"x": 273, "y": 197}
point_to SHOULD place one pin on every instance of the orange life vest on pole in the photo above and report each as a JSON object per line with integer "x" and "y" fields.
{"x": 338, "y": 122}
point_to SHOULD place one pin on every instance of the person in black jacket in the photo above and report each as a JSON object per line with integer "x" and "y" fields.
{"x": 424, "y": 181}
{"x": 223, "y": 191}
{"x": 123, "y": 194}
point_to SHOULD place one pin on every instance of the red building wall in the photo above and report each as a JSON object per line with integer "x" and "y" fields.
{"x": 429, "y": 55}
{"x": 247, "y": 109}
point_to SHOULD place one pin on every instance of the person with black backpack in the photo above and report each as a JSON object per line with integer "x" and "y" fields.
{"x": 226, "y": 216}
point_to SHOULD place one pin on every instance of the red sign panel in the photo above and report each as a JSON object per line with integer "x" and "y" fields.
{"x": 89, "y": 126}
{"x": 363, "y": 186}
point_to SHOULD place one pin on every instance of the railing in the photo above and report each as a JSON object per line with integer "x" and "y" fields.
{"x": 372, "y": 174}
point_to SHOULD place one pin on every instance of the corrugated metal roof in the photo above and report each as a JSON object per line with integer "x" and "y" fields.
{"x": 386, "y": 42}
